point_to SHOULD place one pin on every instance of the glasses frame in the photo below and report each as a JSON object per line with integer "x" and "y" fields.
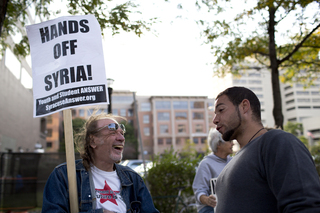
{"x": 113, "y": 127}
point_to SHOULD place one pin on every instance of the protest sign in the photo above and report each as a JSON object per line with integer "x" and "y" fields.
{"x": 68, "y": 67}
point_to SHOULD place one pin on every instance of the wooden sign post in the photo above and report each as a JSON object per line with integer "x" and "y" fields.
{"x": 71, "y": 167}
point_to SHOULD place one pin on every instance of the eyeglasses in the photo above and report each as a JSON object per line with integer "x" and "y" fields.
{"x": 113, "y": 127}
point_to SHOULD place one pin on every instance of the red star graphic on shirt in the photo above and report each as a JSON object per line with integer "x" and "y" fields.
{"x": 107, "y": 194}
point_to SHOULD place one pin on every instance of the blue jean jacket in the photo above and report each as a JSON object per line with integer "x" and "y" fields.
{"x": 56, "y": 193}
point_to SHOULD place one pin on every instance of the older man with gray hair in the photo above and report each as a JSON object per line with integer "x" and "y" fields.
{"x": 210, "y": 167}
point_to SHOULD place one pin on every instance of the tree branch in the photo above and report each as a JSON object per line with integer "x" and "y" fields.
{"x": 298, "y": 45}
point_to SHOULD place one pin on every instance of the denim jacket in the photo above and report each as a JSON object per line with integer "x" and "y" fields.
{"x": 56, "y": 193}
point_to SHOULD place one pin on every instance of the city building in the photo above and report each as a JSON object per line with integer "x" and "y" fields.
{"x": 164, "y": 121}
{"x": 302, "y": 105}
{"x": 19, "y": 131}
{"x": 299, "y": 104}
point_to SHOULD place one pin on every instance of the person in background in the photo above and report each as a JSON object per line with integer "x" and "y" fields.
{"x": 210, "y": 167}
{"x": 103, "y": 185}
{"x": 272, "y": 172}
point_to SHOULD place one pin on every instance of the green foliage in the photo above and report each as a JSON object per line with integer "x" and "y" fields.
{"x": 240, "y": 41}
{"x": 315, "y": 152}
{"x": 293, "y": 128}
{"x": 110, "y": 15}
{"x": 131, "y": 144}
{"x": 297, "y": 130}
{"x": 254, "y": 33}
{"x": 169, "y": 171}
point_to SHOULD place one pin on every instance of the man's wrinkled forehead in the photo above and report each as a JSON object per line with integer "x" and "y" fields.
{"x": 104, "y": 121}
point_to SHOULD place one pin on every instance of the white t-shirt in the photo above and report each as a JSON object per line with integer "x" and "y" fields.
{"x": 107, "y": 187}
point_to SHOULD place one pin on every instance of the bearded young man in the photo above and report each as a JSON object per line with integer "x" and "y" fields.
{"x": 272, "y": 172}
{"x": 103, "y": 185}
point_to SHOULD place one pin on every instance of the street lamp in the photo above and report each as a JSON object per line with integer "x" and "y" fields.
{"x": 110, "y": 82}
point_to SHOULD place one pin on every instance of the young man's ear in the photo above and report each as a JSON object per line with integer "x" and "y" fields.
{"x": 245, "y": 106}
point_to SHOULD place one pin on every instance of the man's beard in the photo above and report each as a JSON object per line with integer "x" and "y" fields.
{"x": 228, "y": 134}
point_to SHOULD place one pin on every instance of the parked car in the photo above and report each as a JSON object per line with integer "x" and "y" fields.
{"x": 140, "y": 169}
{"x": 133, "y": 163}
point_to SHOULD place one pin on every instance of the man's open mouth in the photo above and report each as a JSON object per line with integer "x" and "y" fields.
{"x": 119, "y": 147}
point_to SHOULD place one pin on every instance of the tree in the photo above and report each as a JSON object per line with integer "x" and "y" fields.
{"x": 297, "y": 130}
{"x": 77, "y": 124}
{"x": 131, "y": 143}
{"x": 14, "y": 16}
{"x": 171, "y": 170}
{"x": 298, "y": 56}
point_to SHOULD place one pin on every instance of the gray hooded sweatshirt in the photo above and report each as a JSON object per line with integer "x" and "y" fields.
{"x": 210, "y": 167}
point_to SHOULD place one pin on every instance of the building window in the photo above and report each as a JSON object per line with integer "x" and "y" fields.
{"x": 181, "y": 115}
{"x": 130, "y": 112}
{"x": 49, "y": 144}
{"x": 49, "y": 132}
{"x": 89, "y": 111}
{"x": 199, "y": 128}
{"x": 195, "y": 140}
{"x": 239, "y": 81}
{"x": 304, "y": 107}
{"x": 256, "y": 89}
{"x": 255, "y": 82}
{"x": 115, "y": 111}
{"x": 146, "y": 119}
{"x": 164, "y": 129}
{"x": 203, "y": 140}
{"x": 316, "y": 100}
{"x": 42, "y": 125}
{"x": 290, "y": 101}
{"x": 163, "y": 116}
{"x": 146, "y": 131}
{"x": 123, "y": 112}
{"x": 254, "y": 74}
{"x": 178, "y": 141}
{"x": 303, "y": 100}
{"x": 302, "y": 92}
{"x": 180, "y": 104}
{"x": 160, "y": 141}
{"x": 287, "y": 87}
{"x": 130, "y": 122}
{"x": 181, "y": 128}
{"x": 291, "y": 108}
{"x": 145, "y": 107}
{"x": 197, "y": 105}
{"x": 122, "y": 99}
{"x": 289, "y": 94}
{"x": 259, "y": 95}
{"x": 292, "y": 119}
{"x": 74, "y": 113}
{"x": 163, "y": 105}
{"x": 81, "y": 112}
{"x": 210, "y": 106}
{"x": 315, "y": 92}
{"x": 198, "y": 115}
{"x": 169, "y": 141}
{"x": 316, "y": 107}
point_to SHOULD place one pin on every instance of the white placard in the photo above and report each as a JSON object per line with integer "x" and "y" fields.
{"x": 68, "y": 67}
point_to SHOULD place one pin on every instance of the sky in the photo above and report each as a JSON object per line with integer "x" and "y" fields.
{"x": 173, "y": 61}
